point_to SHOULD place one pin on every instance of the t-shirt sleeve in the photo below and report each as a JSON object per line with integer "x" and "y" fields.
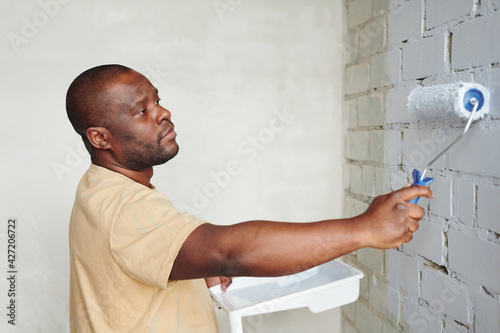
{"x": 147, "y": 236}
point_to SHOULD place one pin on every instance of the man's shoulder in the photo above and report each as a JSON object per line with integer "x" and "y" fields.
{"x": 98, "y": 178}
{"x": 101, "y": 187}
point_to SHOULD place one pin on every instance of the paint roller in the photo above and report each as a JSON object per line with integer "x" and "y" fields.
{"x": 449, "y": 102}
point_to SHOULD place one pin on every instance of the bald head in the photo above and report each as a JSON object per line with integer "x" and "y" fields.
{"x": 88, "y": 97}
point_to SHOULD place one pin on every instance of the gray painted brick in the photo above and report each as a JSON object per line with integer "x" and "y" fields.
{"x": 372, "y": 259}
{"x": 487, "y": 313}
{"x": 438, "y": 12}
{"x": 384, "y": 298}
{"x": 363, "y": 285}
{"x": 377, "y": 145}
{"x": 491, "y": 80}
{"x": 478, "y": 152}
{"x": 397, "y": 106}
{"x": 349, "y": 310}
{"x": 456, "y": 78}
{"x": 418, "y": 319}
{"x": 357, "y": 78}
{"x": 371, "y": 38}
{"x": 405, "y": 21}
{"x": 451, "y": 326}
{"x": 366, "y": 321}
{"x": 346, "y": 175}
{"x": 475, "y": 42}
{"x": 348, "y": 328}
{"x": 386, "y": 68}
{"x": 380, "y": 6}
{"x": 390, "y": 328}
{"x": 379, "y": 69}
{"x": 488, "y": 198}
{"x": 351, "y": 46}
{"x": 398, "y": 179}
{"x": 474, "y": 258}
{"x": 392, "y": 147}
{"x": 424, "y": 57}
{"x": 350, "y": 107}
{"x": 356, "y": 179}
{"x": 358, "y": 12}
{"x": 358, "y": 145}
{"x": 445, "y": 295}
{"x": 463, "y": 201}
{"x": 370, "y": 111}
{"x": 422, "y": 145}
{"x": 441, "y": 203}
{"x": 402, "y": 270}
{"x": 368, "y": 180}
{"x": 382, "y": 181}
{"x": 354, "y": 207}
{"x": 394, "y": 70}
{"x": 428, "y": 241}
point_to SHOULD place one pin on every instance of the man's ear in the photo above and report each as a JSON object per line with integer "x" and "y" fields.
{"x": 99, "y": 137}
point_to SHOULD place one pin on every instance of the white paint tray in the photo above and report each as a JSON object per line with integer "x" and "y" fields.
{"x": 320, "y": 288}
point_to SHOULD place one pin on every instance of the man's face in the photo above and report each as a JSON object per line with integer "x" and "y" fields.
{"x": 143, "y": 134}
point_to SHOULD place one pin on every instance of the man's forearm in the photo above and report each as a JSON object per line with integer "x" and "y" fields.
{"x": 266, "y": 248}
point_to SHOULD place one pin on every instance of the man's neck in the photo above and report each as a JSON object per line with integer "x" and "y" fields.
{"x": 142, "y": 177}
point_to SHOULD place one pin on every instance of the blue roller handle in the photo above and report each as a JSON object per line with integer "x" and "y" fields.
{"x": 416, "y": 181}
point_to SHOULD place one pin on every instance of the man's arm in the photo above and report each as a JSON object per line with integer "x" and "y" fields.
{"x": 265, "y": 248}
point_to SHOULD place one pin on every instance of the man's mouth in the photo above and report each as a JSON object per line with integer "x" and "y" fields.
{"x": 169, "y": 134}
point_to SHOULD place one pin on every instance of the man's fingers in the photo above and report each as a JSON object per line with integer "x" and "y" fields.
{"x": 415, "y": 211}
{"x": 412, "y": 225}
{"x": 411, "y": 192}
{"x": 225, "y": 282}
{"x": 409, "y": 238}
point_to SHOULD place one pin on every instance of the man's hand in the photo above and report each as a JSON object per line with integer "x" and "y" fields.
{"x": 390, "y": 220}
{"x": 224, "y": 281}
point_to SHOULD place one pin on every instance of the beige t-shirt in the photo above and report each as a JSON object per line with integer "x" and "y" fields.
{"x": 124, "y": 238}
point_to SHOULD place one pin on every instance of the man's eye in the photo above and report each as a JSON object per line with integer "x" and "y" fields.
{"x": 158, "y": 101}
{"x": 142, "y": 112}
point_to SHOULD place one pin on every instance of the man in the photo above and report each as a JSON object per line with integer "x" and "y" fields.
{"x": 137, "y": 264}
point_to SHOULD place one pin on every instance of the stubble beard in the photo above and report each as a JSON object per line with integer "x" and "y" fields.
{"x": 147, "y": 155}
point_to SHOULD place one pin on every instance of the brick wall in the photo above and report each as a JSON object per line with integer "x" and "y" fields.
{"x": 448, "y": 278}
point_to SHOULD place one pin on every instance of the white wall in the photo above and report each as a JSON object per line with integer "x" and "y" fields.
{"x": 223, "y": 68}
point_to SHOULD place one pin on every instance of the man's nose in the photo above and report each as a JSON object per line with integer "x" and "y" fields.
{"x": 162, "y": 114}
